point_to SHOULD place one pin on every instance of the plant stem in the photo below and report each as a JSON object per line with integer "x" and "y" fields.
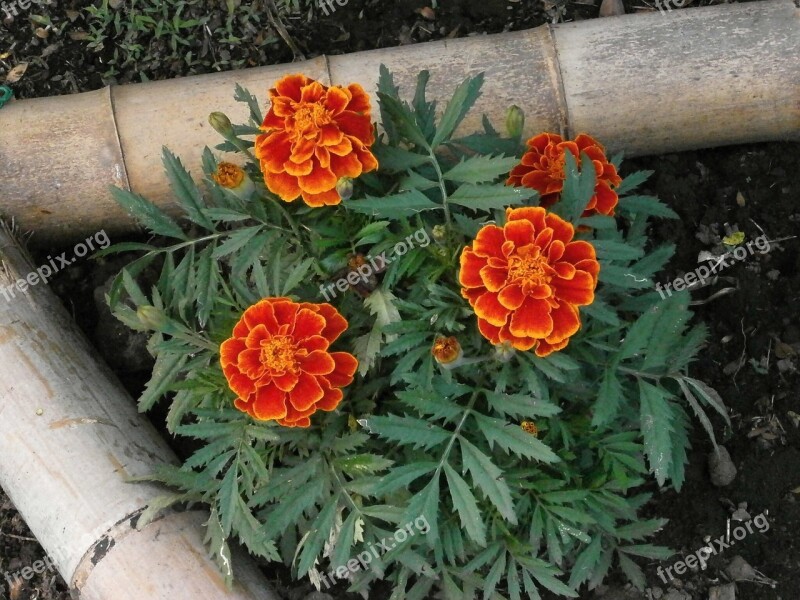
{"x": 442, "y": 187}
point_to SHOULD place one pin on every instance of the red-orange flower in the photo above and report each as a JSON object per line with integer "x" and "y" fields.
{"x": 278, "y": 363}
{"x": 542, "y": 169}
{"x": 314, "y": 135}
{"x": 527, "y": 279}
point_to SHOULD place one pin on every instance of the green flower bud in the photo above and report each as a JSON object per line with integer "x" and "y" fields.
{"x": 344, "y": 187}
{"x": 221, "y": 123}
{"x": 515, "y": 121}
{"x": 439, "y": 233}
{"x": 152, "y": 318}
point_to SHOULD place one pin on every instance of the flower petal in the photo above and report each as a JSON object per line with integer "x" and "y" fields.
{"x": 269, "y": 403}
{"x": 306, "y": 393}
{"x": 532, "y": 319}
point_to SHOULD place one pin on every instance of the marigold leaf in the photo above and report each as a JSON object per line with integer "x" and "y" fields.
{"x": 147, "y": 213}
{"x": 464, "y": 97}
{"x": 165, "y": 371}
{"x": 466, "y": 505}
{"x": 481, "y": 169}
{"x": 657, "y": 426}
{"x": 609, "y": 397}
{"x": 646, "y": 205}
{"x": 513, "y": 439}
{"x": 186, "y": 192}
{"x": 632, "y": 181}
{"x": 408, "y": 430}
{"x": 404, "y": 204}
{"x": 585, "y": 563}
{"x": 489, "y": 478}
{"x": 489, "y": 197}
{"x": 320, "y": 531}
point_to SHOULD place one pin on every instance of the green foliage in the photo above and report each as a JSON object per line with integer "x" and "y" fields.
{"x": 508, "y": 513}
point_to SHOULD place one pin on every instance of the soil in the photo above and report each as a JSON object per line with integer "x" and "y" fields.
{"x": 754, "y": 331}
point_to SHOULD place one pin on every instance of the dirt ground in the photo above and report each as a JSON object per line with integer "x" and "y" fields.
{"x": 754, "y": 343}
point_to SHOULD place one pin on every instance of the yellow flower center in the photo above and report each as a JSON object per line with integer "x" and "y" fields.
{"x": 310, "y": 116}
{"x": 278, "y": 354}
{"x": 529, "y": 270}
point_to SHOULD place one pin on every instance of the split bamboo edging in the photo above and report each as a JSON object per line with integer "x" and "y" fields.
{"x": 70, "y": 437}
{"x": 645, "y": 84}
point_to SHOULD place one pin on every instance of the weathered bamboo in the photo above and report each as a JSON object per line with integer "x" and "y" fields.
{"x": 69, "y": 438}
{"x": 641, "y": 83}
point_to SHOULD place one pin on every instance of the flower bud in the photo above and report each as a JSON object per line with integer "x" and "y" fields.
{"x": 447, "y": 351}
{"x": 515, "y": 121}
{"x": 221, "y": 123}
{"x": 439, "y": 233}
{"x": 504, "y": 352}
{"x": 344, "y": 187}
{"x": 234, "y": 178}
{"x": 152, "y": 318}
{"x": 530, "y": 427}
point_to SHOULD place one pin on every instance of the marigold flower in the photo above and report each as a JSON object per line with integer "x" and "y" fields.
{"x": 446, "y": 350}
{"x": 526, "y": 280}
{"x": 278, "y": 361}
{"x": 542, "y": 169}
{"x": 529, "y": 427}
{"x": 314, "y": 136}
{"x": 234, "y": 178}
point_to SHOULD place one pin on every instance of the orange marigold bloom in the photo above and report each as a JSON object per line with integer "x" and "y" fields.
{"x": 278, "y": 363}
{"x": 229, "y": 175}
{"x": 542, "y": 169}
{"x": 314, "y": 135}
{"x": 526, "y": 280}
{"x": 446, "y": 350}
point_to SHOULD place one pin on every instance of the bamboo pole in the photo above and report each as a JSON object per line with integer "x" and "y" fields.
{"x": 70, "y": 437}
{"x": 641, "y": 83}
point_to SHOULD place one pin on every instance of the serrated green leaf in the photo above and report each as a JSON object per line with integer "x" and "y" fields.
{"x": 585, "y": 563}
{"x": 398, "y": 160}
{"x": 319, "y": 533}
{"x": 402, "y": 477}
{"x": 710, "y": 395}
{"x": 165, "y": 371}
{"x": 611, "y": 250}
{"x": 147, "y": 213}
{"x": 464, "y": 97}
{"x": 609, "y": 397}
{"x": 360, "y": 464}
{"x": 408, "y": 430}
{"x": 646, "y": 205}
{"x": 489, "y": 478}
{"x": 633, "y": 181}
{"x": 465, "y": 504}
{"x": 396, "y": 206}
{"x": 228, "y": 499}
{"x": 186, "y": 192}
{"x": 513, "y": 439}
{"x": 489, "y": 197}
{"x": 402, "y": 120}
{"x": 480, "y": 169}
{"x": 236, "y": 240}
{"x": 656, "y": 424}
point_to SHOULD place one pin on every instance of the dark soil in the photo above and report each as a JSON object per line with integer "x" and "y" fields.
{"x": 754, "y": 341}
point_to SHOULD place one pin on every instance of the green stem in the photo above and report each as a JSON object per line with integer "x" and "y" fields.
{"x": 442, "y": 188}
{"x": 452, "y": 441}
